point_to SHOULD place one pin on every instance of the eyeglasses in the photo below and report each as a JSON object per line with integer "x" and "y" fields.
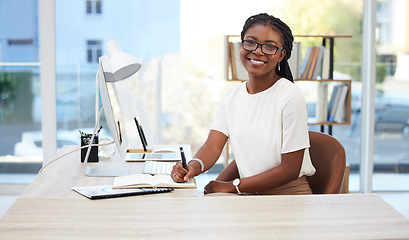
{"x": 267, "y": 49}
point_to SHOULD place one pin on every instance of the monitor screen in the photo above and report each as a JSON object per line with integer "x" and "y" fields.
{"x": 112, "y": 110}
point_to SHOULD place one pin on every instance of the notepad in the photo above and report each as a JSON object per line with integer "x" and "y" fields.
{"x": 150, "y": 181}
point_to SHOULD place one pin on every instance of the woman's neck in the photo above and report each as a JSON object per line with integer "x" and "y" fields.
{"x": 256, "y": 85}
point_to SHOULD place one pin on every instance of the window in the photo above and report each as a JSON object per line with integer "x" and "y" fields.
{"x": 20, "y": 95}
{"x": 94, "y": 51}
{"x": 93, "y": 7}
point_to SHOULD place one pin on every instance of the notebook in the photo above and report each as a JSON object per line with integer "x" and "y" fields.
{"x": 99, "y": 192}
{"x": 150, "y": 181}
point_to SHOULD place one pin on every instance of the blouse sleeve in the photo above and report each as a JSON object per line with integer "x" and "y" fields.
{"x": 220, "y": 120}
{"x": 294, "y": 123}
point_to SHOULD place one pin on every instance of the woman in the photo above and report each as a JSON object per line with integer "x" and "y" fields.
{"x": 265, "y": 119}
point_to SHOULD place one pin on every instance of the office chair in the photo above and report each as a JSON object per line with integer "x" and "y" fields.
{"x": 328, "y": 158}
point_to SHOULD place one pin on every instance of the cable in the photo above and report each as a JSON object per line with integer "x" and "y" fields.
{"x": 89, "y": 146}
{"x": 55, "y": 159}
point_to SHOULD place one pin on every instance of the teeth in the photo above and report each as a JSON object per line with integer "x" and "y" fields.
{"x": 255, "y": 61}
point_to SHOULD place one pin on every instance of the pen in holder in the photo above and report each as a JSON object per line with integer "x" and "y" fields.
{"x": 93, "y": 155}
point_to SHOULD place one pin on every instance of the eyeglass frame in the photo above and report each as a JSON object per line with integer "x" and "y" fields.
{"x": 261, "y": 47}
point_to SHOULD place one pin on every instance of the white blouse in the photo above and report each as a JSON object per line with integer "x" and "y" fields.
{"x": 264, "y": 125}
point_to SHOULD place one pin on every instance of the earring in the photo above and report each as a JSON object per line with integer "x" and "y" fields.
{"x": 278, "y": 66}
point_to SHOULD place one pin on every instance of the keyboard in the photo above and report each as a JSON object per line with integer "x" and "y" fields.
{"x": 158, "y": 167}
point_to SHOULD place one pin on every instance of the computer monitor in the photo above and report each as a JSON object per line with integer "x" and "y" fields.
{"x": 115, "y": 66}
{"x": 112, "y": 109}
{"x": 113, "y": 116}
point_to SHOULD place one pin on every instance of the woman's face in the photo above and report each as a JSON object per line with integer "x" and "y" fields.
{"x": 256, "y": 62}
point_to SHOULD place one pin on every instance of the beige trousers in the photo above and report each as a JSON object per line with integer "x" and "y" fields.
{"x": 296, "y": 187}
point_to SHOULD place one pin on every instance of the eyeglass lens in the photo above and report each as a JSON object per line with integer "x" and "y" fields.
{"x": 265, "y": 48}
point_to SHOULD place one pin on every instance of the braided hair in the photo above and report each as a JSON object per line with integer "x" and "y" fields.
{"x": 286, "y": 35}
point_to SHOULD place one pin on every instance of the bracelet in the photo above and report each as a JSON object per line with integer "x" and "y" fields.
{"x": 199, "y": 161}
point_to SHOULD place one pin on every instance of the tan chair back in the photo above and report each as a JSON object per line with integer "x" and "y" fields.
{"x": 328, "y": 158}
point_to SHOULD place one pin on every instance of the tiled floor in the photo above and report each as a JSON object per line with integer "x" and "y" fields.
{"x": 399, "y": 200}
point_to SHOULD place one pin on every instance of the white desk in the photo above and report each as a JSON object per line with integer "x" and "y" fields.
{"x": 49, "y": 209}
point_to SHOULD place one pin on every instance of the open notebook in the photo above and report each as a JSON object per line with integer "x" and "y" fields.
{"x": 150, "y": 181}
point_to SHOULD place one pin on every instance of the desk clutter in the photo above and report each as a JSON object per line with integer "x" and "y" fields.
{"x": 155, "y": 178}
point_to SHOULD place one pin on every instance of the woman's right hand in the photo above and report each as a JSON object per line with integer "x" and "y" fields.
{"x": 180, "y": 175}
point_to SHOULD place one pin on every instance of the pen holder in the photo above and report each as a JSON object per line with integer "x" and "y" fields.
{"x": 93, "y": 155}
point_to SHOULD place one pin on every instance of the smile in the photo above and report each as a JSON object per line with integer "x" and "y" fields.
{"x": 256, "y": 61}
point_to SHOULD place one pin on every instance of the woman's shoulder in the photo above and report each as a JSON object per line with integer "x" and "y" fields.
{"x": 286, "y": 86}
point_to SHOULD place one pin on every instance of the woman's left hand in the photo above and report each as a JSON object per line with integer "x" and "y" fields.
{"x": 219, "y": 187}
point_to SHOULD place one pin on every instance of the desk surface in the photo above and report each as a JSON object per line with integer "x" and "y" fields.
{"x": 182, "y": 214}
{"x": 57, "y": 179}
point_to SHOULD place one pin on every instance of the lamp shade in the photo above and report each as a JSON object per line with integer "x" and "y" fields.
{"x": 123, "y": 65}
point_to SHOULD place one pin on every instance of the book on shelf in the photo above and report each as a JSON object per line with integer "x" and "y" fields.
{"x": 321, "y": 107}
{"x": 150, "y": 181}
{"x": 237, "y": 69}
{"x": 325, "y": 64}
{"x": 337, "y": 103}
{"x": 295, "y": 60}
{"x": 305, "y": 61}
{"x": 332, "y": 102}
{"x": 341, "y": 107}
{"x": 308, "y": 59}
{"x": 314, "y": 57}
{"x": 316, "y": 63}
{"x": 231, "y": 63}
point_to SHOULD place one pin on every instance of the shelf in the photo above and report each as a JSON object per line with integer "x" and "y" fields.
{"x": 323, "y": 36}
{"x": 323, "y": 80}
{"x": 347, "y": 120}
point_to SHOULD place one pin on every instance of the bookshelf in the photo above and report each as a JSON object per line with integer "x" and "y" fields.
{"x": 236, "y": 72}
{"x": 329, "y": 42}
{"x": 346, "y": 120}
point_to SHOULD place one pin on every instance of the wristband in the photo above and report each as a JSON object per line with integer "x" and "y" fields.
{"x": 199, "y": 161}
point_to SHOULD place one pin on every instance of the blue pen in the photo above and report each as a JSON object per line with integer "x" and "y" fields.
{"x": 183, "y": 158}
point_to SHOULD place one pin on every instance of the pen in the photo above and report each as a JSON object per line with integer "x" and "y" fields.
{"x": 183, "y": 158}
{"x": 120, "y": 135}
{"x": 141, "y": 134}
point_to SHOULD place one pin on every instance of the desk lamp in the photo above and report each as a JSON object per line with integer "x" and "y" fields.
{"x": 113, "y": 67}
{"x": 116, "y": 66}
